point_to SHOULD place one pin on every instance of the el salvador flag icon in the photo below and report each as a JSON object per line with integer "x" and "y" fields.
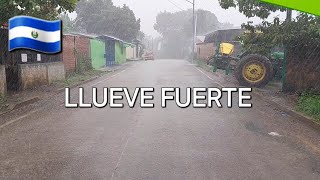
{"x": 36, "y": 34}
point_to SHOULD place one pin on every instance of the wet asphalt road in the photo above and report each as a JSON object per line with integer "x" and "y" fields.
{"x": 49, "y": 141}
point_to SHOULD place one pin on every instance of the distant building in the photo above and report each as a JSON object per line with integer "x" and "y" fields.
{"x": 207, "y": 48}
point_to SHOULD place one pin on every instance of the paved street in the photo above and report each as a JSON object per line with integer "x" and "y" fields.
{"x": 48, "y": 141}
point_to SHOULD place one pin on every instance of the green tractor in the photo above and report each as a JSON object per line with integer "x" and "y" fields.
{"x": 251, "y": 70}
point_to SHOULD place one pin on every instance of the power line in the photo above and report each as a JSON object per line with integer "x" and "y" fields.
{"x": 176, "y": 5}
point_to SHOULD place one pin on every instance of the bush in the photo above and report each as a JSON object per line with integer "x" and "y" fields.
{"x": 309, "y": 104}
{"x": 83, "y": 63}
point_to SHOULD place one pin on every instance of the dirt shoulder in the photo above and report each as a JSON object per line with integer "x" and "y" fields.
{"x": 272, "y": 93}
{"x": 17, "y": 99}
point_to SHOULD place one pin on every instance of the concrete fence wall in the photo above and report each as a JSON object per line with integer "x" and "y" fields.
{"x": 3, "y": 84}
{"x": 73, "y": 44}
{"x": 56, "y": 72}
{"x": 32, "y": 75}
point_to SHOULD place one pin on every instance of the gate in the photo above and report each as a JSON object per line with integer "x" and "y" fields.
{"x": 10, "y": 60}
{"x": 97, "y": 49}
{"x": 110, "y": 53}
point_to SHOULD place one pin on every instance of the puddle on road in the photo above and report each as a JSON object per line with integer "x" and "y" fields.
{"x": 253, "y": 128}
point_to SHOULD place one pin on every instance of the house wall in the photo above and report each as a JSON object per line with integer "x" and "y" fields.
{"x": 130, "y": 51}
{"x": 97, "y": 53}
{"x": 110, "y": 57}
{"x": 120, "y": 51}
{"x": 204, "y": 51}
{"x": 33, "y": 75}
{"x": 83, "y": 46}
{"x": 68, "y": 54}
{"x": 3, "y": 81}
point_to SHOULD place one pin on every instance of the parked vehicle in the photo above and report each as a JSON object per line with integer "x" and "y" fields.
{"x": 148, "y": 56}
{"x": 252, "y": 70}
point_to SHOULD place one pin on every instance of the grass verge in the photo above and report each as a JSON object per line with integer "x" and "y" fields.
{"x": 3, "y": 101}
{"x": 309, "y": 104}
{"x": 204, "y": 65}
{"x": 76, "y": 78}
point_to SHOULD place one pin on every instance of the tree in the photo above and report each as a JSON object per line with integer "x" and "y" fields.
{"x": 251, "y": 8}
{"x": 300, "y": 33}
{"x": 176, "y": 30}
{"x": 102, "y": 17}
{"x": 69, "y": 25}
{"x": 49, "y": 10}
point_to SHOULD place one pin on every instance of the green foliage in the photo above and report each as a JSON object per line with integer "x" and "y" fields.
{"x": 68, "y": 24}
{"x": 83, "y": 63}
{"x": 310, "y": 105}
{"x": 2, "y": 99}
{"x": 251, "y": 8}
{"x": 73, "y": 79}
{"x": 102, "y": 17}
{"x": 303, "y": 31}
{"x": 176, "y": 29}
{"x": 37, "y": 8}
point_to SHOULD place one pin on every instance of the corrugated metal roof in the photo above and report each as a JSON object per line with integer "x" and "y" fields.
{"x": 223, "y": 35}
{"x": 131, "y": 44}
{"x": 110, "y": 38}
{"x": 68, "y": 34}
{"x": 83, "y": 34}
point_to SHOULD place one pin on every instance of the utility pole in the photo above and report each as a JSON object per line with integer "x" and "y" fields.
{"x": 193, "y": 29}
{"x": 285, "y": 62}
{"x": 289, "y": 15}
{"x": 152, "y": 45}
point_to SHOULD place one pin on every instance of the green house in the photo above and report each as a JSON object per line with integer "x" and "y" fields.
{"x": 97, "y": 49}
{"x": 121, "y": 53}
{"x": 115, "y": 50}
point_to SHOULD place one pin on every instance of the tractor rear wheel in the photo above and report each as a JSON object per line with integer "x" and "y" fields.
{"x": 254, "y": 70}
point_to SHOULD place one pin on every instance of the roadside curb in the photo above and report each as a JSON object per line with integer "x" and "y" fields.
{"x": 60, "y": 90}
{"x": 134, "y": 60}
{"x": 21, "y": 104}
{"x": 299, "y": 116}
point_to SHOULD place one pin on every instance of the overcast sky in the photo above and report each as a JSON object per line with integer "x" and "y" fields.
{"x": 147, "y": 10}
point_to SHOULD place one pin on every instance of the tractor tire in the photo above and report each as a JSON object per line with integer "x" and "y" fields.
{"x": 254, "y": 70}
